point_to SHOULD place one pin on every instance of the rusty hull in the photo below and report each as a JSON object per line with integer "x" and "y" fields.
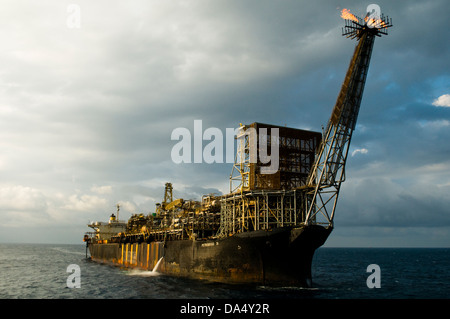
{"x": 278, "y": 257}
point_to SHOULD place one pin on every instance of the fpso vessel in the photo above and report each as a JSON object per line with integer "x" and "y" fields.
{"x": 266, "y": 230}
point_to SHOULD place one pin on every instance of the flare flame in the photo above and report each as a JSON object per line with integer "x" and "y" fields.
{"x": 345, "y": 14}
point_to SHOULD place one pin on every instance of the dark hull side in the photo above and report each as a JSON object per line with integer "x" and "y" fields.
{"x": 278, "y": 257}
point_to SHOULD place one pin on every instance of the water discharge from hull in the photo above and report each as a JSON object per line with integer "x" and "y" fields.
{"x": 155, "y": 269}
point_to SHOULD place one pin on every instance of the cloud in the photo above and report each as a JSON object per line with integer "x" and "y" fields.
{"x": 443, "y": 100}
{"x": 127, "y": 206}
{"x": 360, "y": 150}
{"x": 102, "y": 190}
{"x": 19, "y": 198}
{"x": 22, "y": 206}
{"x": 407, "y": 196}
{"x": 84, "y": 203}
{"x": 379, "y": 236}
{"x": 437, "y": 124}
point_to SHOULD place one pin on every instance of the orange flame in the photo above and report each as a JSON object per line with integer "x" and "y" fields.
{"x": 345, "y": 14}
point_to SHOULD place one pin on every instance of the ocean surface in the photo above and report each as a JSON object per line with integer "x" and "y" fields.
{"x": 41, "y": 271}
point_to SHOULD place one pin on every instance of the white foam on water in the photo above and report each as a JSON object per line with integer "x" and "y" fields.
{"x": 286, "y": 288}
{"x": 143, "y": 273}
{"x": 147, "y": 273}
{"x": 66, "y": 251}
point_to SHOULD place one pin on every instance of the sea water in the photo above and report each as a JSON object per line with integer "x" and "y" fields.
{"x": 41, "y": 271}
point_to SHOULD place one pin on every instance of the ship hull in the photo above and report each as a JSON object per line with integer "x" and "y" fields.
{"x": 280, "y": 257}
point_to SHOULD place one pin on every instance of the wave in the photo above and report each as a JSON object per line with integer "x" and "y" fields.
{"x": 143, "y": 273}
{"x": 66, "y": 251}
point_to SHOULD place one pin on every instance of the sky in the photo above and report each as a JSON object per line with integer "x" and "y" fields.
{"x": 91, "y": 91}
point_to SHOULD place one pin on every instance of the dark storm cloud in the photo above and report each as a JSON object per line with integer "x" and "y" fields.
{"x": 385, "y": 202}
